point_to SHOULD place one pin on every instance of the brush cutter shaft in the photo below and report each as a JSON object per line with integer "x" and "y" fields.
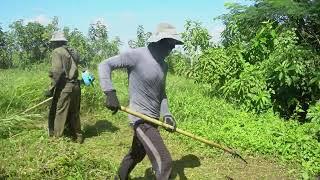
{"x": 29, "y": 109}
{"x": 152, "y": 120}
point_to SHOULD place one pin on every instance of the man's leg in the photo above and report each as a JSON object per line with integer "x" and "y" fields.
{"x": 52, "y": 111}
{"x": 135, "y": 155}
{"x": 61, "y": 113}
{"x": 74, "y": 114}
{"x": 156, "y": 150}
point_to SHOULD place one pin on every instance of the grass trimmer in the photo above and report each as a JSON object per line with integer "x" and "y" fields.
{"x": 87, "y": 80}
{"x": 157, "y": 122}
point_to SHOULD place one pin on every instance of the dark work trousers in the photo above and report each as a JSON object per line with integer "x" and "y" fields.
{"x": 68, "y": 110}
{"x": 147, "y": 140}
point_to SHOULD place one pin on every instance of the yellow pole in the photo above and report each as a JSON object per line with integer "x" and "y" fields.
{"x": 157, "y": 122}
{"x": 29, "y": 109}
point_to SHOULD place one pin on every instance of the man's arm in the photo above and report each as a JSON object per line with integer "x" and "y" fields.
{"x": 167, "y": 117}
{"x": 164, "y": 108}
{"x": 106, "y": 67}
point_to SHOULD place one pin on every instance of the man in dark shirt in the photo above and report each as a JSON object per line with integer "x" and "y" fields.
{"x": 65, "y": 107}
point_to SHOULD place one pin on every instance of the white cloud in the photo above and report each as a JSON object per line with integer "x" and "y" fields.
{"x": 42, "y": 19}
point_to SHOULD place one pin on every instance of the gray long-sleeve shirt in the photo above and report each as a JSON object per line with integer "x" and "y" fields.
{"x": 147, "y": 79}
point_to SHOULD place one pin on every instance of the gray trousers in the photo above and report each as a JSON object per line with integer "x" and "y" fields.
{"x": 147, "y": 140}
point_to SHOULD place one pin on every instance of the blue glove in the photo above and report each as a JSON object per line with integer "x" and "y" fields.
{"x": 87, "y": 78}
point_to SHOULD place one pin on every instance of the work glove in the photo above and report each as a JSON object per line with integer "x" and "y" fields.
{"x": 112, "y": 101}
{"x": 168, "y": 119}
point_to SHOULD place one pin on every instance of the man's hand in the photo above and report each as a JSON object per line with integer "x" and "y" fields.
{"x": 168, "y": 119}
{"x": 112, "y": 101}
{"x": 49, "y": 92}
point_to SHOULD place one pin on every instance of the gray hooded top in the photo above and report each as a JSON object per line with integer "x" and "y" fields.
{"x": 147, "y": 78}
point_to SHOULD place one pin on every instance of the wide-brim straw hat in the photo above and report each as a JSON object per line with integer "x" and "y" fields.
{"x": 58, "y": 36}
{"x": 163, "y": 31}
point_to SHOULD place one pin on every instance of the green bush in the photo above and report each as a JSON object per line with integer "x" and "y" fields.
{"x": 314, "y": 113}
{"x": 314, "y": 117}
{"x": 215, "y": 67}
{"x": 270, "y": 70}
{"x": 249, "y": 90}
{"x": 178, "y": 64}
{"x": 291, "y": 72}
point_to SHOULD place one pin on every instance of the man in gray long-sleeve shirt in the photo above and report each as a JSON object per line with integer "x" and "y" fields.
{"x": 147, "y": 72}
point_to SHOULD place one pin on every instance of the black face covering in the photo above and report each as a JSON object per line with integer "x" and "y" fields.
{"x": 56, "y": 44}
{"x": 161, "y": 49}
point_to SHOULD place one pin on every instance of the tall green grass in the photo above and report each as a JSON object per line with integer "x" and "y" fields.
{"x": 20, "y": 89}
{"x": 264, "y": 134}
{"x": 194, "y": 111}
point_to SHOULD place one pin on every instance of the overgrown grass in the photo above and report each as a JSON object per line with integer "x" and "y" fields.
{"x": 264, "y": 134}
{"x": 28, "y": 153}
{"x": 33, "y": 156}
{"x": 18, "y": 91}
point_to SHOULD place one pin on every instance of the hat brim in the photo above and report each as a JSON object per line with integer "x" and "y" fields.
{"x": 158, "y": 37}
{"x": 56, "y": 40}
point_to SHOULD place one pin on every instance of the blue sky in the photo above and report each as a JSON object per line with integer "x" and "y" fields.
{"x": 121, "y": 17}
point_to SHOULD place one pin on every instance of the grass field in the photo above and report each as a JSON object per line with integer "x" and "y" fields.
{"x": 274, "y": 148}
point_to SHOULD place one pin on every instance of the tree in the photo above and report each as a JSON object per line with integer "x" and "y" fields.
{"x": 5, "y": 51}
{"x": 142, "y": 38}
{"x": 243, "y": 21}
{"x": 31, "y": 41}
{"x": 280, "y": 38}
{"x": 2, "y": 38}
{"x": 78, "y": 41}
{"x": 196, "y": 39}
{"x": 99, "y": 40}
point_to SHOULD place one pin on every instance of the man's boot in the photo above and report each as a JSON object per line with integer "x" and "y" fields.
{"x": 79, "y": 138}
{"x": 50, "y": 133}
{"x": 116, "y": 177}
